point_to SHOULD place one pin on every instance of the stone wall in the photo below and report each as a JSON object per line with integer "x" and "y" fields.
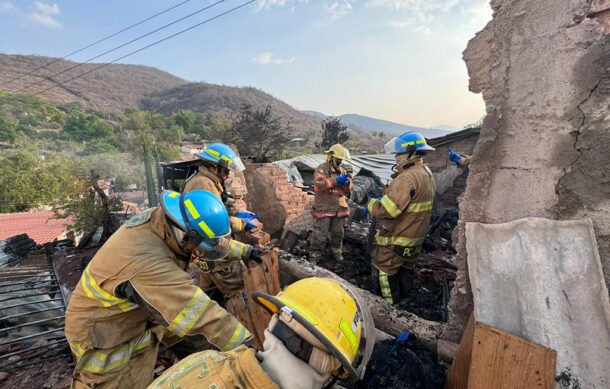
{"x": 542, "y": 68}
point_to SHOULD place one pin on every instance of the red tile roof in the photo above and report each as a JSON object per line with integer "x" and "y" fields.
{"x": 40, "y": 226}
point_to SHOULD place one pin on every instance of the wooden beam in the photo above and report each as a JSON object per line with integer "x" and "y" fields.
{"x": 387, "y": 318}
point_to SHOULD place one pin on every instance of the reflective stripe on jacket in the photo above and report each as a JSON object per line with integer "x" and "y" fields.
{"x": 329, "y": 198}
{"x": 403, "y": 214}
{"x": 134, "y": 292}
{"x": 211, "y": 369}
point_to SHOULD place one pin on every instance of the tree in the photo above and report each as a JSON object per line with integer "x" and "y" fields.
{"x": 333, "y": 132}
{"x": 258, "y": 133}
{"x": 81, "y": 127}
{"x": 8, "y": 131}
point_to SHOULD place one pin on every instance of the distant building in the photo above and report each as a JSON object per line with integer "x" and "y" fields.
{"x": 191, "y": 149}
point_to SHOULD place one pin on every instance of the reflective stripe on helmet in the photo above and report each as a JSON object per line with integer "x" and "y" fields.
{"x": 191, "y": 208}
{"x": 189, "y": 315}
{"x": 94, "y": 292}
{"x": 100, "y": 362}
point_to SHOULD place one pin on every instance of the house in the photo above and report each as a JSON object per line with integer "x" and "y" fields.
{"x": 42, "y": 227}
{"x": 190, "y": 148}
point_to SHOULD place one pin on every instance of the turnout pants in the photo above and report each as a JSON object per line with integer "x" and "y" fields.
{"x": 393, "y": 287}
{"x": 330, "y": 228}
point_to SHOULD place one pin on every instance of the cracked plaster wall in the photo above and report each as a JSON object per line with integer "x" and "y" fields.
{"x": 544, "y": 150}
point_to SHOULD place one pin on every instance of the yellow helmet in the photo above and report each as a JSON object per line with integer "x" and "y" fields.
{"x": 338, "y": 151}
{"x": 331, "y": 312}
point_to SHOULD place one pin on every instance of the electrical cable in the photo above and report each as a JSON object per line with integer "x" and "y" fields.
{"x": 149, "y": 45}
{"x": 94, "y": 43}
{"x": 43, "y": 79}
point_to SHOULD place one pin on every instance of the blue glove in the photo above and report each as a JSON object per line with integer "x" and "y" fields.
{"x": 454, "y": 157}
{"x": 343, "y": 179}
{"x": 249, "y": 225}
{"x": 365, "y": 212}
{"x": 247, "y": 215}
{"x": 402, "y": 337}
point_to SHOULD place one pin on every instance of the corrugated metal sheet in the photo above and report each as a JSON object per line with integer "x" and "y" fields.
{"x": 380, "y": 164}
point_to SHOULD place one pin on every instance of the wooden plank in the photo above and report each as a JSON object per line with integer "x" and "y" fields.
{"x": 262, "y": 277}
{"x": 460, "y": 368}
{"x": 502, "y": 360}
{"x": 236, "y": 305}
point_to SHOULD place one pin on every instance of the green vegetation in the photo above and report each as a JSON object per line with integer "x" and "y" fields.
{"x": 47, "y": 151}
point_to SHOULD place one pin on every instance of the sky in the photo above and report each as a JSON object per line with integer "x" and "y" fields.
{"x": 398, "y": 60}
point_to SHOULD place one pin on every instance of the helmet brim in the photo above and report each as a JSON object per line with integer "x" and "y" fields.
{"x": 170, "y": 202}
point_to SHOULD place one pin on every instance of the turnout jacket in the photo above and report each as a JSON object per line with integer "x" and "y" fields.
{"x": 329, "y": 198}
{"x": 403, "y": 215}
{"x": 206, "y": 180}
{"x": 134, "y": 293}
{"x": 211, "y": 369}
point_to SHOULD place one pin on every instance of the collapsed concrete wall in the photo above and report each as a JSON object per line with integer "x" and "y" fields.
{"x": 542, "y": 68}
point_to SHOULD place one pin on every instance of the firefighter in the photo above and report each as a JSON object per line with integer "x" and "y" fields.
{"x": 331, "y": 184}
{"x": 319, "y": 329}
{"x": 218, "y": 160}
{"x": 403, "y": 214}
{"x": 135, "y": 293}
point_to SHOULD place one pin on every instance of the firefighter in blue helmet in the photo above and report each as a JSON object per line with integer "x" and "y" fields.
{"x": 403, "y": 214}
{"x": 135, "y": 293}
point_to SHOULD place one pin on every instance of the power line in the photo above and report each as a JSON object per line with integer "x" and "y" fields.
{"x": 150, "y": 45}
{"x": 94, "y": 43}
{"x": 123, "y": 45}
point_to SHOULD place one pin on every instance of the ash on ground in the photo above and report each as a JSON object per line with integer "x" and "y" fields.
{"x": 435, "y": 270}
{"x": 405, "y": 365}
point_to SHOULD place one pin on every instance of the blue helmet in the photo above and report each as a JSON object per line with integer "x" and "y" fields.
{"x": 198, "y": 213}
{"x": 399, "y": 145}
{"x": 222, "y": 155}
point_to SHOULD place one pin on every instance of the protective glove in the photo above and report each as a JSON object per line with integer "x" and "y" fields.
{"x": 454, "y": 157}
{"x": 247, "y": 215}
{"x": 365, "y": 212}
{"x": 249, "y": 225}
{"x": 255, "y": 255}
{"x": 343, "y": 179}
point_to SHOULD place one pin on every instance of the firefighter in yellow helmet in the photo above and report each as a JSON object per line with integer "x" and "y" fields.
{"x": 403, "y": 215}
{"x": 319, "y": 329}
{"x": 135, "y": 293}
{"x": 331, "y": 184}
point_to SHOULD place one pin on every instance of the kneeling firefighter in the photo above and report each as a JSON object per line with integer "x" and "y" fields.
{"x": 331, "y": 184}
{"x": 218, "y": 160}
{"x": 319, "y": 331}
{"x": 403, "y": 215}
{"x": 135, "y": 293}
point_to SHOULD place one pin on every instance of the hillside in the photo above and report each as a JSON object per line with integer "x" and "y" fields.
{"x": 389, "y": 127}
{"x": 116, "y": 87}
{"x": 206, "y": 98}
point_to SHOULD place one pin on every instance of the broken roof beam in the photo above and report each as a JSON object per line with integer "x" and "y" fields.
{"x": 387, "y": 318}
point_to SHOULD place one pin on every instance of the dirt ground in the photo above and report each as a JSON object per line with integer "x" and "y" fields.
{"x": 46, "y": 375}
